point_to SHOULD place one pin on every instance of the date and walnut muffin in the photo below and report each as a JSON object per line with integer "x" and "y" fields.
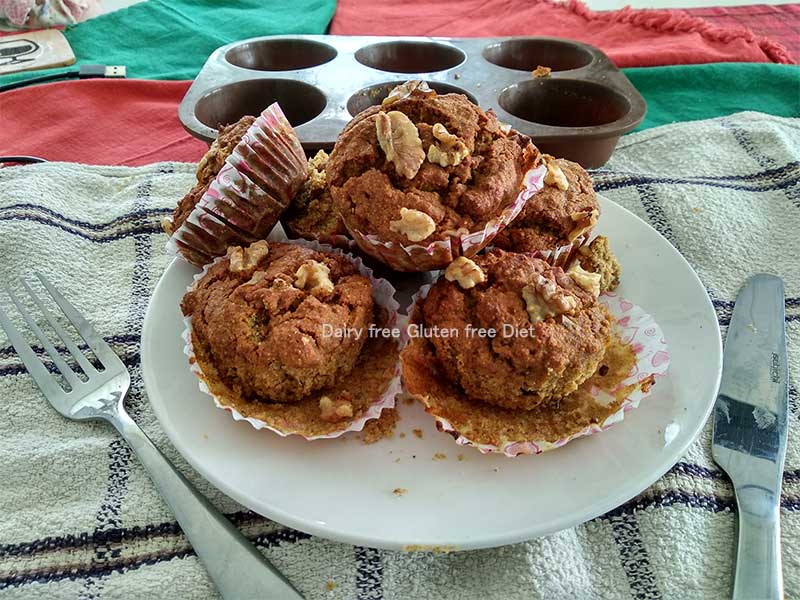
{"x": 532, "y": 379}
{"x": 551, "y": 332}
{"x": 565, "y": 209}
{"x": 423, "y": 168}
{"x": 264, "y": 332}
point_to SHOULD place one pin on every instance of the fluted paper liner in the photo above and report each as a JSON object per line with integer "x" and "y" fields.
{"x": 248, "y": 195}
{"x": 636, "y": 328}
{"x": 382, "y": 294}
{"x": 439, "y": 254}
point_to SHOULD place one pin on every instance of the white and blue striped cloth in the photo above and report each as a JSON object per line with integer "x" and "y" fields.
{"x": 79, "y": 519}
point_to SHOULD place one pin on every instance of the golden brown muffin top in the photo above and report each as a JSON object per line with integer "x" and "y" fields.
{"x": 260, "y": 316}
{"x": 424, "y": 167}
{"x": 549, "y": 332}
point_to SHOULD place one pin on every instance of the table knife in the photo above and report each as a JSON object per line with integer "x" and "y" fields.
{"x": 750, "y": 426}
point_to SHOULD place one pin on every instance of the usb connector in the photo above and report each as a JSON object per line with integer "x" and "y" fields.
{"x": 82, "y": 72}
{"x": 89, "y": 71}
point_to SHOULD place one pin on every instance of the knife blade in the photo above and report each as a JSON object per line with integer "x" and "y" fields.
{"x": 750, "y": 429}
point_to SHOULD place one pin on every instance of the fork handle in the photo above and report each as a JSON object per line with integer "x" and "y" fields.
{"x": 237, "y": 568}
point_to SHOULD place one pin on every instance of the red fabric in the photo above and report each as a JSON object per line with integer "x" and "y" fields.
{"x": 96, "y": 121}
{"x": 632, "y": 38}
{"x": 780, "y": 23}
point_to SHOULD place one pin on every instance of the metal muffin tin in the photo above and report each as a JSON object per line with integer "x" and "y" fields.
{"x": 578, "y": 112}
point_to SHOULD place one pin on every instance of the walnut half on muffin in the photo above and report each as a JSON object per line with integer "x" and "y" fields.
{"x": 278, "y": 331}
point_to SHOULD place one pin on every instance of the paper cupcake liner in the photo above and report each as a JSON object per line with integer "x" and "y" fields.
{"x": 635, "y": 327}
{"x": 441, "y": 253}
{"x": 248, "y": 195}
{"x": 383, "y": 295}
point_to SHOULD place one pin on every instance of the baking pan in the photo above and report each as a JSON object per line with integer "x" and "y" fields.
{"x": 578, "y": 112}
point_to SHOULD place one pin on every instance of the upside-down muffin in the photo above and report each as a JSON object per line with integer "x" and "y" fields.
{"x": 279, "y": 332}
{"x": 563, "y": 211}
{"x": 423, "y": 168}
{"x": 245, "y": 182}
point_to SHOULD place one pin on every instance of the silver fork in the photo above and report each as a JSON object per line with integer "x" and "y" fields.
{"x": 237, "y": 568}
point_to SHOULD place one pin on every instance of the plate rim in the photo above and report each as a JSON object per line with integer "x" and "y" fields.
{"x": 530, "y": 532}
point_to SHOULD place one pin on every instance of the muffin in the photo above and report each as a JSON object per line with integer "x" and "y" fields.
{"x": 312, "y": 215}
{"x": 208, "y": 167}
{"x": 512, "y": 355}
{"x": 280, "y": 334}
{"x": 245, "y": 182}
{"x": 563, "y": 211}
{"x": 425, "y": 178}
{"x": 551, "y": 333}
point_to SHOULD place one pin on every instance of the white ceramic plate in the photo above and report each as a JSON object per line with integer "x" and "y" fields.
{"x": 343, "y": 490}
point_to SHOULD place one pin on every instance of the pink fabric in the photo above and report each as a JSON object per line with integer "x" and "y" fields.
{"x": 632, "y": 38}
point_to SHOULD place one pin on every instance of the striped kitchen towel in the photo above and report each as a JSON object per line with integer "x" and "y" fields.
{"x": 81, "y": 520}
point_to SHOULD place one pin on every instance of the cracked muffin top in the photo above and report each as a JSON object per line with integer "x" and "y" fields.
{"x": 563, "y": 210}
{"x": 550, "y": 333}
{"x": 211, "y": 163}
{"x": 258, "y": 315}
{"x": 422, "y": 167}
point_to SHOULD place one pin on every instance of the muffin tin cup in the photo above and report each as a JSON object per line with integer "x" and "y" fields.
{"x": 578, "y": 112}
{"x": 383, "y": 295}
{"x": 441, "y": 253}
{"x": 635, "y": 327}
{"x": 248, "y": 195}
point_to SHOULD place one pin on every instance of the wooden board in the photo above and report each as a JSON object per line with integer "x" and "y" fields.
{"x": 34, "y": 50}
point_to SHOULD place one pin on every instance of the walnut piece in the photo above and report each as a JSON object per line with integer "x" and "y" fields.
{"x": 313, "y": 276}
{"x": 399, "y": 140}
{"x": 450, "y": 150}
{"x": 465, "y": 272}
{"x": 413, "y": 87}
{"x": 585, "y": 220}
{"x": 245, "y": 260}
{"x": 541, "y": 71}
{"x": 587, "y": 281}
{"x": 544, "y": 299}
{"x": 414, "y": 224}
{"x": 334, "y": 411}
{"x": 554, "y": 176}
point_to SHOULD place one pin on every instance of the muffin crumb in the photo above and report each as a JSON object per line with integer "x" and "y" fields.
{"x": 439, "y": 456}
{"x": 541, "y": 71}
{"x": 418, "y": 433}
{"x": 399, "y": 491}
{"x": 330, "y": 585}
{"x": 460, "y": 457}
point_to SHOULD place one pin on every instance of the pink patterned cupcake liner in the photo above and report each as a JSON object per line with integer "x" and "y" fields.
{"x": 248, "y": 195}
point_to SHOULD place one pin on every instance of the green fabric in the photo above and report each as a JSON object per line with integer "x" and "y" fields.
{"x": 691, "y": 92}
{"x": 171, "y": 39}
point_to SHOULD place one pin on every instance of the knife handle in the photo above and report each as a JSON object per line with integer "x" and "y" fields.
{"x": 758, "y": 558}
